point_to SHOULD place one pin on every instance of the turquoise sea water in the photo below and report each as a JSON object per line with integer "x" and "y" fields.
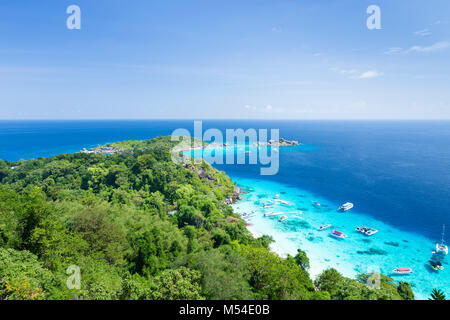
{"x": 391, "y": 247}
{"x": 396, "y": 173}
{"x": 388, "y": 249}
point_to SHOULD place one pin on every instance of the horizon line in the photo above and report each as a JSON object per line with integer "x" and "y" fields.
{"x": 227, "y": 119}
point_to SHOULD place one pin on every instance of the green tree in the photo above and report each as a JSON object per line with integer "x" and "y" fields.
{"x": 328, "y": 280}
{"x": 302, "y": 259}
{"x": 176, "y": 284}
{"x": 103, "y": 236}
{"x": 22, "y": 276}
{"x": 224, "y": 275}
{"x": 275, "y": 278}
{"x": 437, "y": 294}
{"x": 405, "y": 291}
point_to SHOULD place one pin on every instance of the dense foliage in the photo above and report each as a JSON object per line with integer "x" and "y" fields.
{"x": 140, "y": 226}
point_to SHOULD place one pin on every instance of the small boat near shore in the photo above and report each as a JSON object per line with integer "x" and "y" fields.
{"x": 338, "y": 234}
{"x": 268, "y": 214}
{"x": 325, "y": 226}
{"x": 283, "y": 218}
{"x": 316, "y": 204}
{"x": 346, "y": 206}
{"x": 278, "y": 201}
{"x": 268, "y": 206}
{"x": 403, "y": 271}
{"x": 247, "y": 216}
{"x": 367, "y": 231}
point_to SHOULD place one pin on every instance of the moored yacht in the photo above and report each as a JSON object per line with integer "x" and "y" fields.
{"x": 338, "y": 234}
{"x": 325, "y": 226}
{"x": 367, "y": 231}
{"x": 442, "y": 248}
{"x": 346, "y": 206}
{"x": 268, "y": 214}
{"x": 403, "y": 271}
{"x": 316, "y": 204}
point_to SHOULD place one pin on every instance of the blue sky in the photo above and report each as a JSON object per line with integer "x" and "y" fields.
{"x": 252, "y": 59}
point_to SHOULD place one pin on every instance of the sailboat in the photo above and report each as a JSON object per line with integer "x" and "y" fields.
{"x": 442, "y": 248}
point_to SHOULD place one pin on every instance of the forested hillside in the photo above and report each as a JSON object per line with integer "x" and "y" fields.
{"x": 140, "y": 226}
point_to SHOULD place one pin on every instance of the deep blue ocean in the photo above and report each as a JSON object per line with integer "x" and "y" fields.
{"x": 396, "y": 171}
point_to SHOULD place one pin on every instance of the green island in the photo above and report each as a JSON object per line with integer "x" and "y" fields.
{"x": 139, "y": 226}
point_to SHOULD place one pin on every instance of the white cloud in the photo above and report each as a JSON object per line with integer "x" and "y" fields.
{"x": 267, "y": 109}
{"x": 370, "y": 74}
{"x": 438, "y": 46}
{"x": 348, "y": 71}
{"x": 435, "y": 47}
{"x": 355, "y": 74}
{"x": 423, "y": 33}
{"x": 393, "y": 50}
{"x": 277, "y": 29}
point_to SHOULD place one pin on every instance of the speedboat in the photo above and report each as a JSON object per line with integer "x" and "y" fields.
{"x": 338, "y": 234}
{"x": 283, "y": 218}
{"x": 268, "y": 214}
{"x": 436, "y": 265}
{"x": 316, "y": 204}
{"x": 267, "y": 205}
{"x": 367, "y": 231}
{"x": 346, "y": 206}
{"x": 325, "y": 226}
{"x": 442, "y": 248}
{"x": 403, "y": 271}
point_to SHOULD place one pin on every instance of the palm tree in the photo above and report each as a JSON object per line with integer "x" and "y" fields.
{"x": 437, "y": 294}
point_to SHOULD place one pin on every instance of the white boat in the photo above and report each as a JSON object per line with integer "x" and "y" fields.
{"x": 325, "y": 226}
{"x": 248, "y": 215}
{"x": 338, "y": 234}
{"x": 367, "y": 231}
{"x": 268, "y": 214}
{"x": 346, "y": 206}
{"x": 442, "y": 248}
{"x": 316, "y": 204}
{"x": 403, "y": 271}
{"x": 283, "y": 218}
